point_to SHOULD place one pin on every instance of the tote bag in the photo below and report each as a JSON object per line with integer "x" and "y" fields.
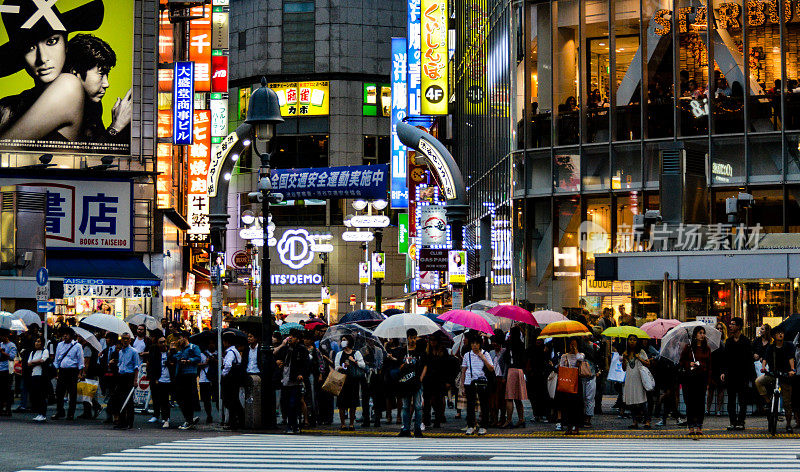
{"x": 568, "y": 379}
{"x": 334, "y": 383}
{"x": 648, "y": 381}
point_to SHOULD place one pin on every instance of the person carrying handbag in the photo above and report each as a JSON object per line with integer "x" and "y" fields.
{"x": 347, "y": 361}
{"x": 570, "y": 400}
{"x": 634, "y": 394}
{"x": 476, "y": 383}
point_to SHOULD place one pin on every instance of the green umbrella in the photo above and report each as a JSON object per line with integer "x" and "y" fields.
{"x": 624, "y": 332}
{"x": 286, "y": 327}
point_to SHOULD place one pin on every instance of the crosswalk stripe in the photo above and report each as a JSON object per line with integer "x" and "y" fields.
{"x": 257, "y": 453}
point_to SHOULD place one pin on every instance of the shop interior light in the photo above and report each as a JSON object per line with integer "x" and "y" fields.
{"x": 205, "y": 293}
{"x": 379, "y": 204}
{"x": 359, "y": 205}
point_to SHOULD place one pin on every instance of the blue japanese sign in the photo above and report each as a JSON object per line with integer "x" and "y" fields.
{"x": 183, "y": 103}
{"x": 368, "y": 182}
{"x": 399, "y": 165}
{"x": 414, "y": 57}
{"x": 85, "y": 214}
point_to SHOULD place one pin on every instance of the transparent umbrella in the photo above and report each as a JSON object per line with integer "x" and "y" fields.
{"x": 677, "y": 338}
{"x": 363, "y": 339}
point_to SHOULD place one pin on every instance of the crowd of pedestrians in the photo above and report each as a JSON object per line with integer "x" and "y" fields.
{"x": 487, "y": 379}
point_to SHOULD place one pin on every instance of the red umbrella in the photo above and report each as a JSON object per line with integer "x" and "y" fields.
{"x": 314, "y": 325}
{"x": 513, "y": 312}
{"x": 468, "y": 319}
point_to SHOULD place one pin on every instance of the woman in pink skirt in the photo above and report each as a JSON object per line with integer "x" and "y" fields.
{"x": 515, "y": 379}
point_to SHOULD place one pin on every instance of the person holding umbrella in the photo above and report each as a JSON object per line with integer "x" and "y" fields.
{"x": 292, "y": 359}
{"x": 695, "y": 365}
{"x": 347, "y": 360}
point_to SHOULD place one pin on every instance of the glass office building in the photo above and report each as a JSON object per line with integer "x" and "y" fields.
{"x": 622, "y": 107}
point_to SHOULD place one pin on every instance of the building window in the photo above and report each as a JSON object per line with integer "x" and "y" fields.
{"x": 242, "y": 40}
{"x": 376, "y": 150}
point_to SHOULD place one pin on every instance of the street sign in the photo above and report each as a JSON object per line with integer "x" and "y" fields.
{"x": 240, "y": 259}
{"x": 352, "y": 300}
{"x": 43, "y": 293}
{"x": 45, "y": 306}
{"x": 42, "y": 276}
{"x": 369, "y": 221}
{"x": 357, "y": 236}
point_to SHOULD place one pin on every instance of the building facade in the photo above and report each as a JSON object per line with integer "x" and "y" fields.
{"x": 329, "y": 62}
{"x": 669, "y": 107}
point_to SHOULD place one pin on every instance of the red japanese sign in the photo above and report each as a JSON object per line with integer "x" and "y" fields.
{"x": 219, "y": 73}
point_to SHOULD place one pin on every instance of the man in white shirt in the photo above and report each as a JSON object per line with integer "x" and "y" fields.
{"x": 69, "y": 362}
{"x": 140, "y": 343}
{"x": 253, "y": 361}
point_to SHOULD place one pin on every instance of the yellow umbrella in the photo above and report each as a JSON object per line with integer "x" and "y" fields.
{"x": 564, "y": 329}
{"x": 625, "y": 331}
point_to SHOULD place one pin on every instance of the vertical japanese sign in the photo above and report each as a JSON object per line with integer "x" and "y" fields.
{"x": 414, "y": 53}
{"x": 166, "y": 48}
{"x": 164, "y": 180}
{"x": 434, "y": 57}
{"x": 219, "y": 28}
{"x": 402, "y": 233}
{"x": 183, "y": 103}
{"x": 200, "y": 48}
{"x": 199, "y": 159}
{"x": 219, "y": 116}
{"x": 85, "y": 214}
{"x": 399, "y": 186}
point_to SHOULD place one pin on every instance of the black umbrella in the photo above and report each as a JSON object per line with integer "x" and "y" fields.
{"x": 392, "y": 311}
{"x": 791, "y": 326}
{"x": 359, "y": 316}
{"x": 203, "y": 338}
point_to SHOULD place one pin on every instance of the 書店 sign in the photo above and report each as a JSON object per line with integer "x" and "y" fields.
{"x": 84, "y": 214}
{"x": 302, "y": 98}
{"x": 434, "y": 57}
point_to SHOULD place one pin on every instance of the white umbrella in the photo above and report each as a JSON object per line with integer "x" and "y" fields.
{"x": 88, "y": 337}
{"x": 673, "y": 343}
{"x": 295, "y": 317}
{"x": 482, "y": 305}
{"x": 107, "y": 323}
{"x": 148, "y": 321}
{"x": 397, "y": 325}
{"x": 6, "y": 320}
{"x": 28, "y": 317}
{"x": 545, "y": 317}
{"x": 18, "y": 325}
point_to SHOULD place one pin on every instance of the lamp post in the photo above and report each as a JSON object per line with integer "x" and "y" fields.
{"x": 377, "y": 205}
{"x": 263, "y": 114}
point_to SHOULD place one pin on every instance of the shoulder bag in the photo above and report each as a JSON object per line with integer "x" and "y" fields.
{"x": 567, "y": 379}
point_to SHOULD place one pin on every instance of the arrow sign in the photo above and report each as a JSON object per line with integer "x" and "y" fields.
{"x": 44, "y": 307}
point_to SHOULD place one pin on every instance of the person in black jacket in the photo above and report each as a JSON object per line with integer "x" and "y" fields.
{"x": 292, "y": 359}
{"x": 737, "y": 372}
{"x": 160, "y": 370}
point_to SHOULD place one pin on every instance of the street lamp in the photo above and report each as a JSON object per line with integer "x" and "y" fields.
{"x": 263, "y": 113}
{"x": 377, "y": 205}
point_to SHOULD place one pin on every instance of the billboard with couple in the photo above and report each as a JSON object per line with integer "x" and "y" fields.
{"x": 66, "y": 74}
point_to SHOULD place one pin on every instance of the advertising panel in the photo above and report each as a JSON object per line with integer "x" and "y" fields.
{"x": 399, "y": 164}
{"x": 183, "y": 103}
{"x": 219, "y": 116}
{"x": 457, "y": 267}
{"x": 164, "y": 180}
{"x": 432, "y": 225}
{"x": 219, "y": 29}
{"x": 219, "y": 73}
{"x": 414, "y": 53}
{"x": 368, "y": 182}
{"x": 378, "y": 265}
{"x": 434, "y": 57}
{"x": 85, "y": 214}
{"x": 402, "y": 233}
{"x": 74, "y": 114}
{"x": 363, "y": 273}
{"x": 200, "y": 49}
{"x": 302, "y": 98}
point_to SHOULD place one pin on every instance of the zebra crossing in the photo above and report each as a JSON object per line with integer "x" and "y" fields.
{"x": 262, "y": 452}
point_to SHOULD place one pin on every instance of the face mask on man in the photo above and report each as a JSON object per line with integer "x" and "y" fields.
{"x": 344, "y": 344}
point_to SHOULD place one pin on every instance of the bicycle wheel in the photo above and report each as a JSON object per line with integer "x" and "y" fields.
{"x": 772, "y": 417}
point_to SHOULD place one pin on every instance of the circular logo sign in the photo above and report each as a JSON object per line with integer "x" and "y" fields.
{"x": 294, "y": 248}
{"x": 240, "y": 259}
{"x": 593, "y": 238}
{"x": 434, "y": 93}
{"x": 435, "y": 229}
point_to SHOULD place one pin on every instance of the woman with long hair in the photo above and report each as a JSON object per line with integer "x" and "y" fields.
{"x": 695, "y": 365}
{"x": 716, "y": 387}
{"x": 571, "y": 404}
{"x": 634, "y": 394}
{"x": 516, "y": 390}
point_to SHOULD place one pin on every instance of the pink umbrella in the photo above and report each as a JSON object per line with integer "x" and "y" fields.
{"x": 545, "y": 317}
{"x": 467, "y": 319}
{"x": 513, "y": 312}
{"x": 656, "y": 329}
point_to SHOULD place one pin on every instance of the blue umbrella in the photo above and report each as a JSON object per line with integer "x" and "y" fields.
{"x": 434, "y": 317}
{"x": 359, "y": 316}
{"x": 286, "y": 327}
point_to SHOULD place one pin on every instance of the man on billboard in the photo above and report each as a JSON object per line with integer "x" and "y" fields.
{"x": 70, "y": 78}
